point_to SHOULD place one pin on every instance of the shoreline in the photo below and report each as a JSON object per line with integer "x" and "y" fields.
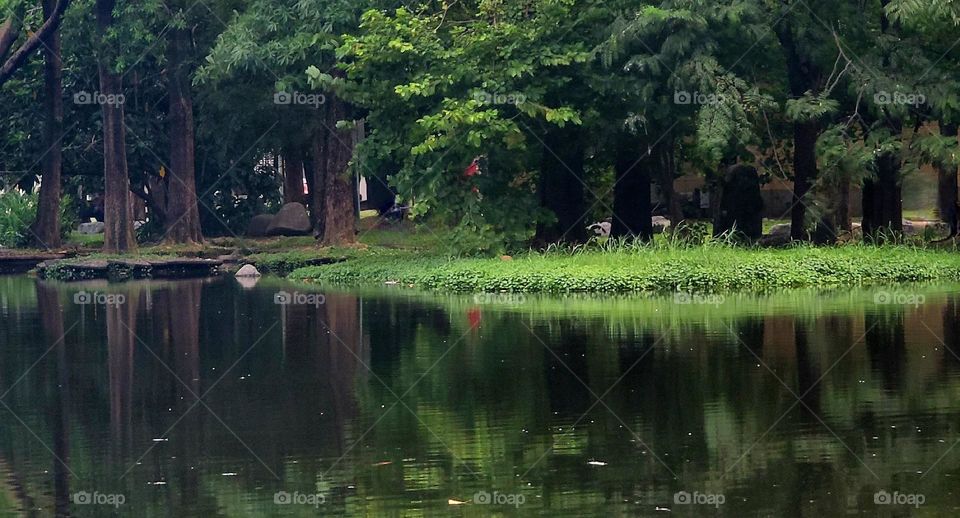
{"x": 694, "y": 270}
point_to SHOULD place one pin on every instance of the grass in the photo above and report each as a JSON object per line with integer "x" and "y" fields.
{"x": 76, "y": 239}
{"x": 412, "y": 256}
{"x": 667, "y": 267}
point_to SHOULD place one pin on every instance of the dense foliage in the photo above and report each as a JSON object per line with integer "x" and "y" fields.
{"x": 827, "y": 95}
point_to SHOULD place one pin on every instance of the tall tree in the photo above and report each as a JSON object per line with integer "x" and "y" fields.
{"x": 118, "y": 214}
{"x": 45, "y": 230}
{"x": 803, "y": 77}
{"x": 334, "y": 190}
{"x": 182, "y": 215}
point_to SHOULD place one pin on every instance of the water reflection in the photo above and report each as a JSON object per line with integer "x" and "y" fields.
{"x": 209, "y": 398}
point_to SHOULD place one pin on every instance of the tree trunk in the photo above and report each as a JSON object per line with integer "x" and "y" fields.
{"x": 561, "y": 185}
{"x": 293, "y": 177}
{"x": 336, "y": 219}
{"x": 882, "y": 200}
{"x": 843, "y": 206}
{"x": 663, "y": 152}
{"x": 117, "y": 214}
{"x": 802, "y": 77}
{"x": 631, "y": 192}
{"x": 804, "y": 172}
{"x": 45, "y": 230}
{"x": 318, "y": 170}
{"x": 882, "y": 204}
{"x": 182, "y": 214}
{"x": 947, "y": 185}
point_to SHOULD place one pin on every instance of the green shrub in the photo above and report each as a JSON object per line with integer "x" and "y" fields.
{"x": 18, "y": 209}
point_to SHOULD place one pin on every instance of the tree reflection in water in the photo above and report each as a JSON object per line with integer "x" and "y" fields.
{"x": 304, "y": 398}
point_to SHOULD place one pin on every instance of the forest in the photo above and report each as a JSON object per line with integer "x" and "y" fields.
{"x": 510, "y": 123}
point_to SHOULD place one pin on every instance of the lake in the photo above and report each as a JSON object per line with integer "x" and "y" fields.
{"x": 209, "y": 398}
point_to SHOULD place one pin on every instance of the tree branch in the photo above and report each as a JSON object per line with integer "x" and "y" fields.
{"x": 8, "y": 34}
{"x": 20, "y": 56}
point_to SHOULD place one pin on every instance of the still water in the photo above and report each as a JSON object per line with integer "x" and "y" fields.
{"x": 207, "y": 398}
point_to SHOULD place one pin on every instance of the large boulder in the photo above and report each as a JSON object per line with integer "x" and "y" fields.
{"x": 95, "y": 227}
{"x": 247, "y": 270}
{"x": 258, "y": 225}
{"x": 292, "y": 220}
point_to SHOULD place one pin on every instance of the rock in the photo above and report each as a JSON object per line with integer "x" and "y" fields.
{"x": 247, "y": 270}
{"x": 95, "y": 227}
{"x": 600, "y": 229}
{"x": 292, "y": 220}
{"x": 780, "y": 229}
{"x": 248, "y": 282}
{"x": 258, "y": 225}
{"x": 659, "y": 224}
{"x": 775, "y": 240}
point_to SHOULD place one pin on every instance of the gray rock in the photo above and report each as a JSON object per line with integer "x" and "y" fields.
{"x": 248, "y": 270}
{"x": 248, "y": 282}
{"x": 659, "y": 224}
{"x": 258, "y": 225}
{"x": 96, "y": 227}
{"x": 292, "y": 220}
{"x": 780, "y": 229}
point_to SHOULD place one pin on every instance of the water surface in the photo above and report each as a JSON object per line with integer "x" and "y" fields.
{"x": 206, "y": 398}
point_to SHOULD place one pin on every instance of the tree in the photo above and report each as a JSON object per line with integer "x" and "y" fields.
{"x": 46, "y": 228}
{"x": 182, "y": 216}
{"x": 118, "y": 216}
{"x": 309, "y": 126}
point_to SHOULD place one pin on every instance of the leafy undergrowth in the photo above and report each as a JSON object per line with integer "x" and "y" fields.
{"x": 282, "y": 263}
{"x": 651, "y": 269}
